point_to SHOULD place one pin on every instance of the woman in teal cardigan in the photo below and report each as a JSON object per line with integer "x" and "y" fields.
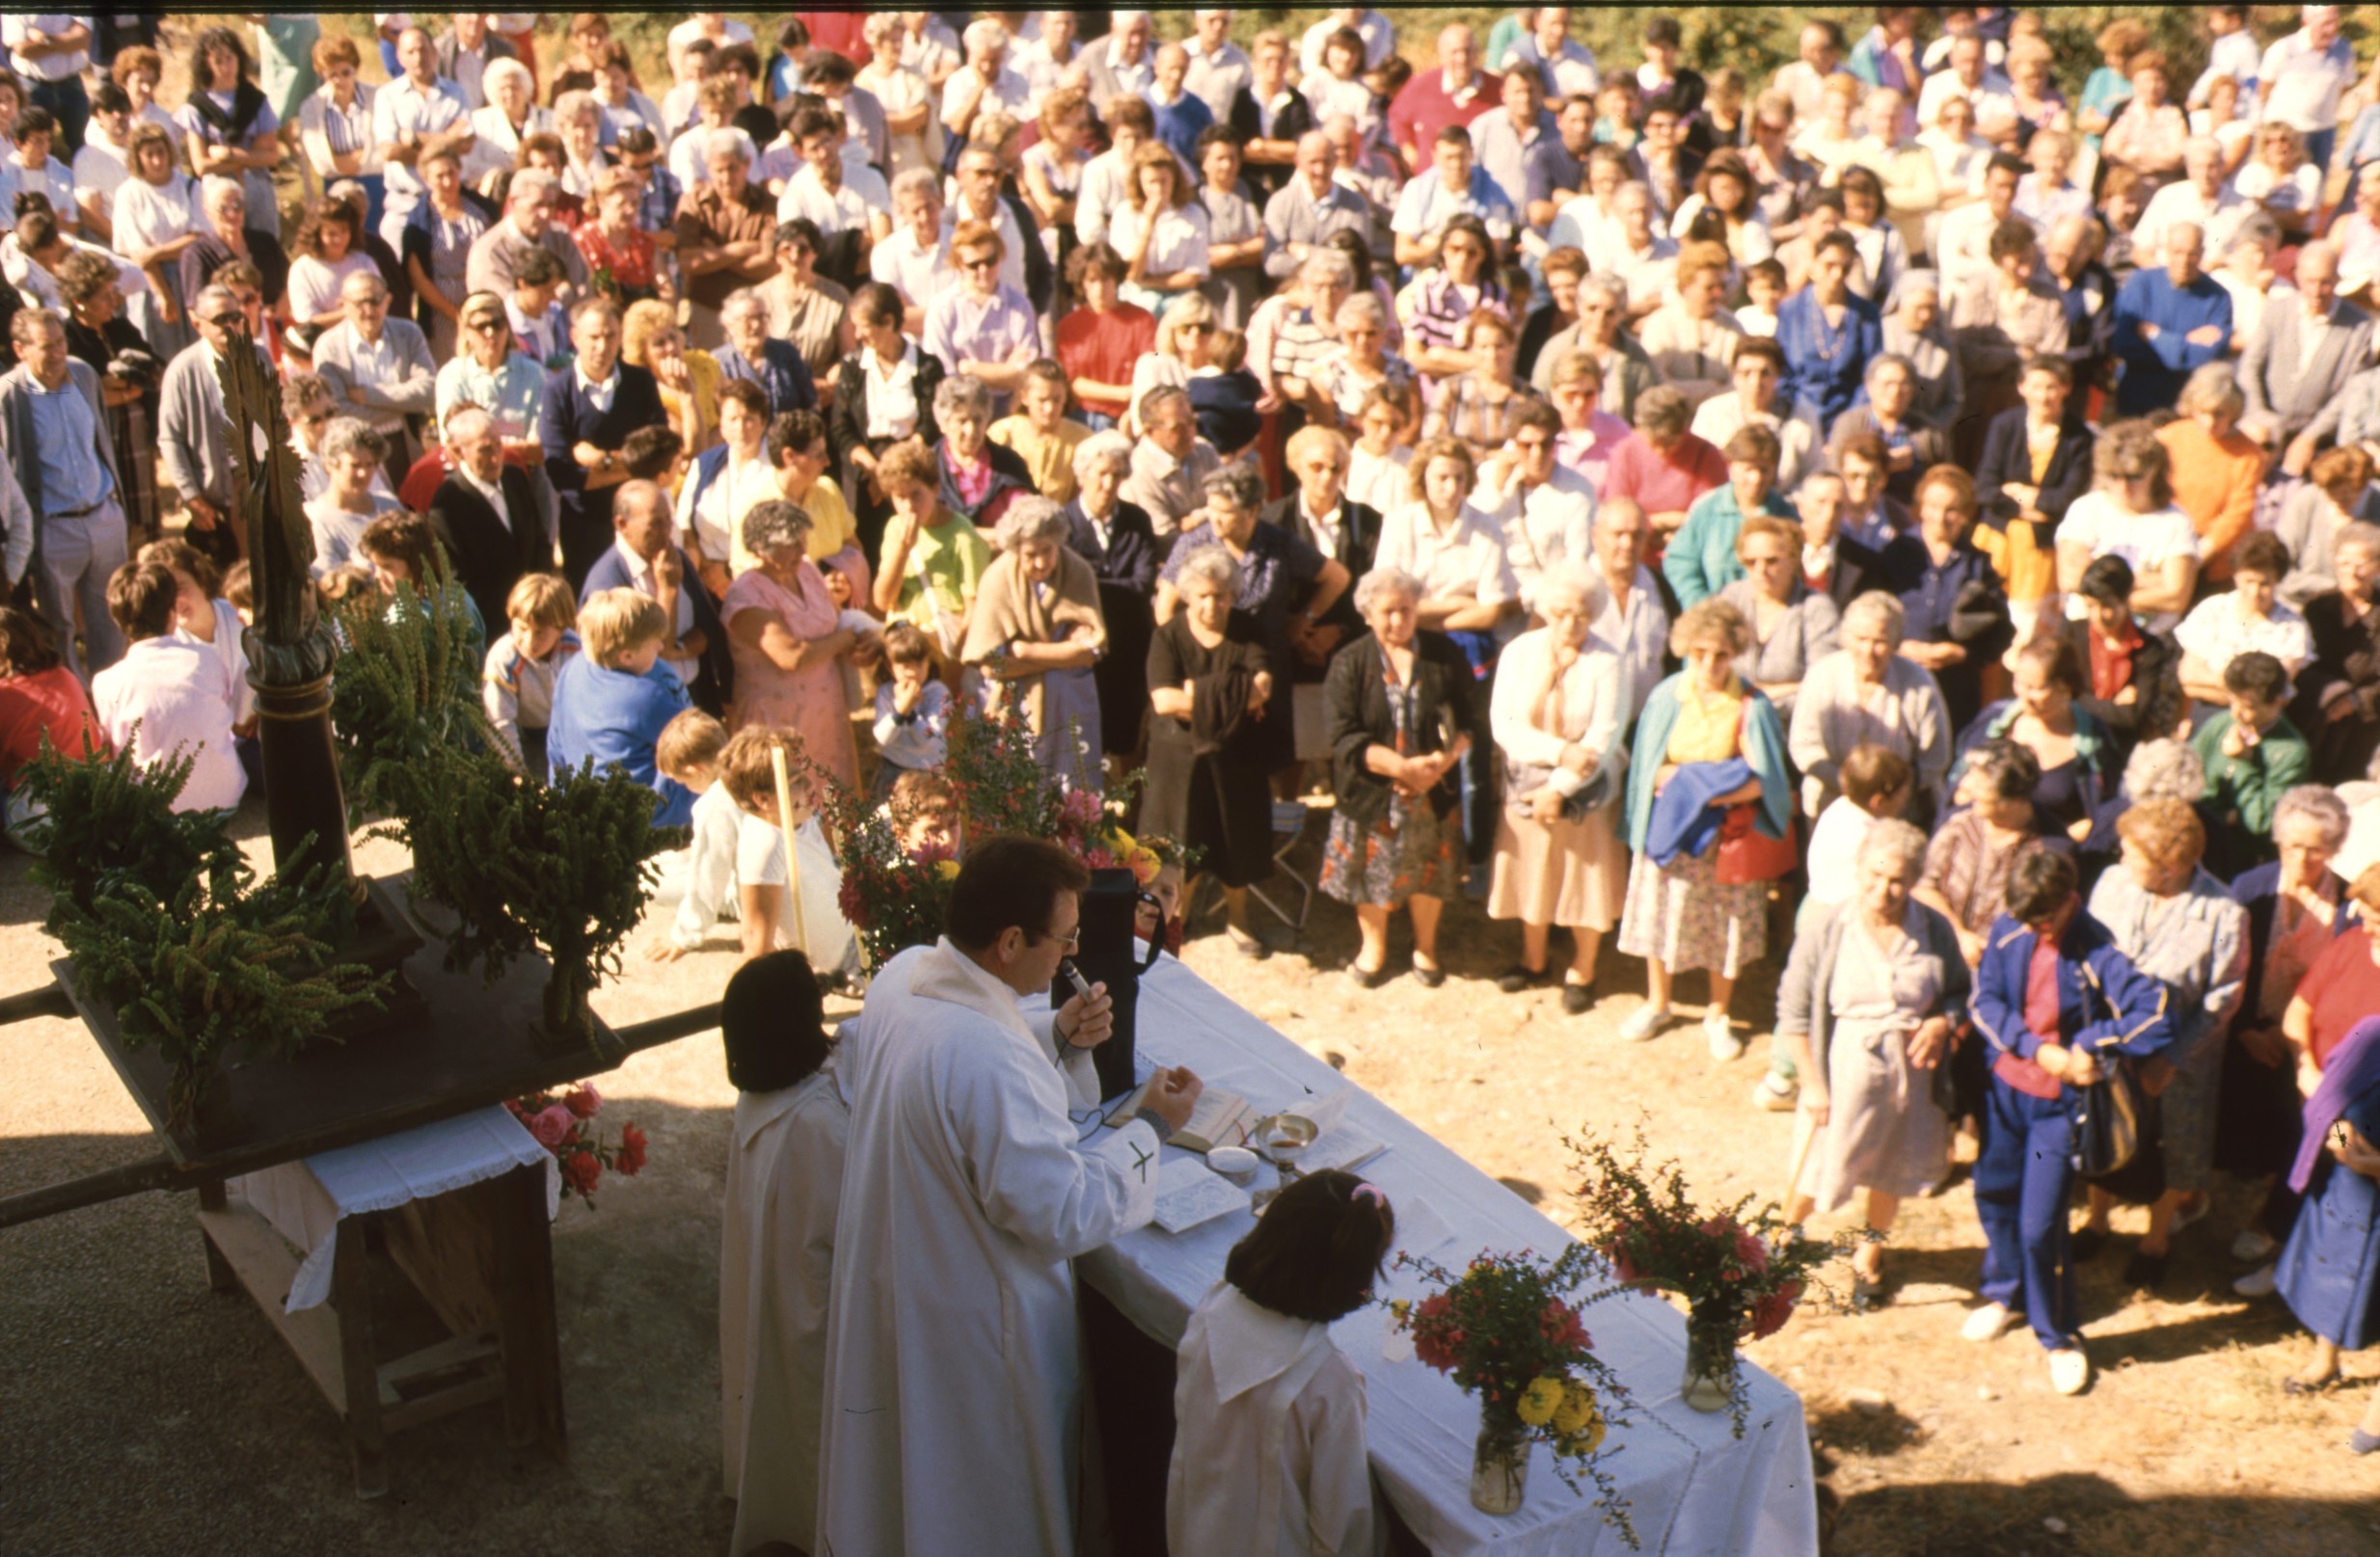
{"x": 1679, "y": 914}
{"x": 1700, "y": 559}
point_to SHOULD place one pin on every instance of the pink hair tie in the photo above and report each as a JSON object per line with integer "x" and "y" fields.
{"x": 1368, "y": 1192}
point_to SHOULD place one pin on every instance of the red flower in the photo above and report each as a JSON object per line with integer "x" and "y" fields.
{"x": 1769, "y": 1313}
{"x": 1559, "y": 1324}
{"x": 582, "y": 1101}
{"x": 551, "y": 1126}
{"x": 1618, "y": 1254}
{"x": 630, "y": 1160}
{"x": 581, "y": 1172}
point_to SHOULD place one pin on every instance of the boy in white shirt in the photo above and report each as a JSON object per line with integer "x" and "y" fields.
{"x": 702, "y": 876}
{"x": 169, "y": 695}
{"x": 771, "y": 918}
{"x": 517, "y": 681}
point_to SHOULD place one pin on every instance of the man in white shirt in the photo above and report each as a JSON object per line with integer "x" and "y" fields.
{"x": 984, "y": 82}
{"x": 831, "y": 193}
{"x": 1453, "y": 186}
{"x": 2302, "y": 78}
{"x": 1646, "y": 259}
{"x": 50, "y": 51}
{"x": 1969, "y": 76}
{"x": 979, "y": 201}
{"x": 99, "y": 169}
{"x": 914, "y": 261}
{"x": 1123, "y": 64}
{"x": 1545, "y": 509}
{"x": 1564, "y": 67}
{"x": 1628, "y": 614}
{"x": 640, "y": 521}
{"x": 378, "y": 368}
{"x": 2204, "y": 199}
{"x": 417, "y": 113}
{"x": 1820, "y": 47}
{"x": 1047, "y": 60}
{"x": 714, "y": 25}
{"x": 1757, "y": 371}
{"x": 1962, "y": 243}
{"x": 1218, "y": 67}
{"x": 1379, "y": 35}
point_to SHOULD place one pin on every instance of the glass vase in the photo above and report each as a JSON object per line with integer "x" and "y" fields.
{"x": 1710, "y": 1381}
{"x": 1499, "y": 1463}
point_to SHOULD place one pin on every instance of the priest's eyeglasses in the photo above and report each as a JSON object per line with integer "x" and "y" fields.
{"x": 1072, "y": 940}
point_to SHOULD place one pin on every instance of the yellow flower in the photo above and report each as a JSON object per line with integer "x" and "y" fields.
{"x": 1586, "y": 1437}
{"x": 947, "y": 869}
{"x": 1539, "y": 1402}
{"x": 1401, "y": 1308}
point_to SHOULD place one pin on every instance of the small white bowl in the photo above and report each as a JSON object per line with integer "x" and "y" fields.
{"x": 1237, "y": 1164}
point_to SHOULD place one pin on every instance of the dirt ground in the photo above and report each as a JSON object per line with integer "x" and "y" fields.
{"x": 146, "y": 1415}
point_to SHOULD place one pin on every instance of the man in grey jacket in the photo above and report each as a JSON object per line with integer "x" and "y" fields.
{"x": 62, "y": 463}
{"x": 2299, "y": 361}
{"x": 193, "y": 428}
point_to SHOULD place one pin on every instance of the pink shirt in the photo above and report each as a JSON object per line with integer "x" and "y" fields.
{"x": 1663, "y": 483}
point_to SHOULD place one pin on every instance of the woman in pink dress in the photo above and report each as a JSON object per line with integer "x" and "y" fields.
{"x": 788, "y": 636}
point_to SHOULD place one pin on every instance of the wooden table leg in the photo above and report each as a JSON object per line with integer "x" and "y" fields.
{"x": 359, "y": 1365}
{"x": 218, "y": 1273}
{"x": 524, "y": 1323}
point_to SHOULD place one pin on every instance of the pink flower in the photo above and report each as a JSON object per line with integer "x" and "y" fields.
{"x": 551, "y": 1126}
{"x": 1753, "y": 1253}
{"x": 582, "y": 1101}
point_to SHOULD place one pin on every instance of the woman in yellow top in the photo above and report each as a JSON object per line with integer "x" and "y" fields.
{"x": 1038, "y": 434}
{"x": 1679, "y": 914}
{"x": 690, "y": 379}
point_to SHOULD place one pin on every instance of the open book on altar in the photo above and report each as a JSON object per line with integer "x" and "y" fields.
{"x": 1220, "y": 1120}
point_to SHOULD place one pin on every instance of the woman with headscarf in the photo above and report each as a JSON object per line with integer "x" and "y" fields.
{"x": 1034, "y": 634}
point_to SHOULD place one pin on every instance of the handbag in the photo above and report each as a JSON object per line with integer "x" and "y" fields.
{"x": 1746, "y": 854}
{"x": 2111, "y": 1122}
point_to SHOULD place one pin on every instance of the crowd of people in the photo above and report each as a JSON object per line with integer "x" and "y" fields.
{"x": 1887, "y": 506}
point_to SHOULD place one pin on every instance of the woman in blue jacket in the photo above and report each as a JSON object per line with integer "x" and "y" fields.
{"x": 2055, "y": 1003}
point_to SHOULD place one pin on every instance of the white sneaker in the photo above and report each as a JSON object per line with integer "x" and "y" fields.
{"x": 2256, "y": 1283}
{"x": 1774, "y": 1095}
{"x": 1643, "y": 1022}
{"x": 2253, "y": 1243}
{"x": 1989, "y": 1323}
{"x": 2070, "y": 1371}
{"x": 1724, "y": 1044}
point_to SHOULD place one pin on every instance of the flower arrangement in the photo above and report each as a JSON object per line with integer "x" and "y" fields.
{"x": 1742, "y": 1271}
{"x": 894, "y": 896}
{"x": 564, "y": 1124}
{"x": 1508, "y": 1329}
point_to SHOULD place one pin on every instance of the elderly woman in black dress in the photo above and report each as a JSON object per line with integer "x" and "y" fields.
{"x": 1402, "y": 712}
{"x": 1115, "y": 538}
{"x": 1210, "y": 693}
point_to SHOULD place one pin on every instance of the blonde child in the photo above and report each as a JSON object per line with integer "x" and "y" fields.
{"x": 701, "y": 876}
{"x": 923, "y": 808}
{"x": 1039, "y": 432}
{"x": 612, "y": 702}
{"x": 518, "y": 684}
{"x": 747, "y": 768}
{"x": 913, "y": 711}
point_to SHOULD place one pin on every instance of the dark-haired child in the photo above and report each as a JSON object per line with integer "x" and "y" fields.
{"x": 168, "y": 695}
{"x": 1268, "y": 1441}
{"x": 776, "y": 1243}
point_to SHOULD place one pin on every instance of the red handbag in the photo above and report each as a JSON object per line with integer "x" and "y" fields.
{"x": 1746, "y": 854}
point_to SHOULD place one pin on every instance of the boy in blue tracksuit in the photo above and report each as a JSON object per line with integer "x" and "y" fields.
{"x": 2054, "y": 1002}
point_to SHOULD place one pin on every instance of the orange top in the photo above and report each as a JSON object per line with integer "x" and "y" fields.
{"x": 2215, "y": 481}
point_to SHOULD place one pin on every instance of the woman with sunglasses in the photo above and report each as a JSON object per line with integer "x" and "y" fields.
{"x": 490, "y": 372}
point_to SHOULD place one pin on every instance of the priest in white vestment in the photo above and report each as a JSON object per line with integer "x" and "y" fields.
{"x": 954, "y": 1386}
{"x": 777, "y": 1244}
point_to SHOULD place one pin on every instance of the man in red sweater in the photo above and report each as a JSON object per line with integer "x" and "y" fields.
{"x": 1456, "y": 92}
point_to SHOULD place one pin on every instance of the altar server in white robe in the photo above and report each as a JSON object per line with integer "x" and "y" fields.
{"x": 954, "y": 1366}
{"x": 777, "y": 1244}
{"x": 1268, "y": 1414}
